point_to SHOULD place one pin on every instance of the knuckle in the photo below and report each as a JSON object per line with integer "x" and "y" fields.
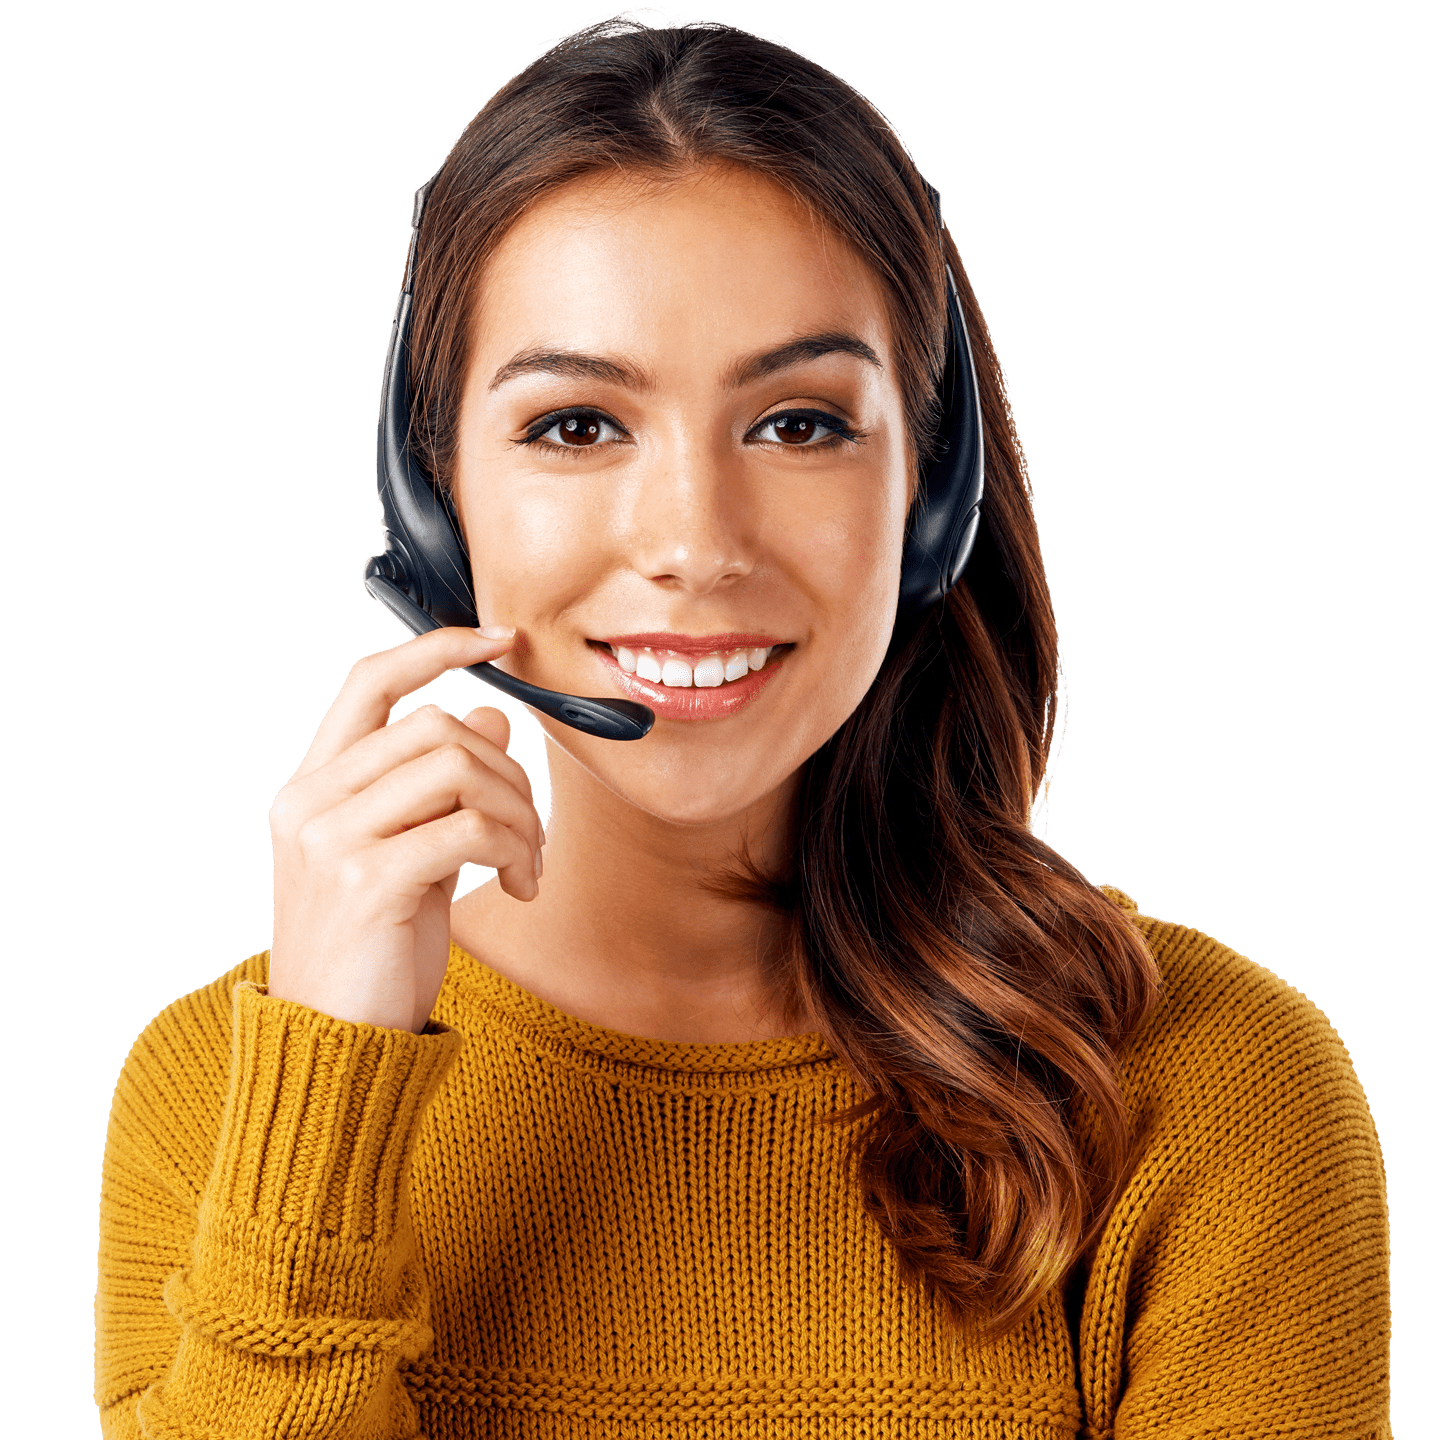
{"x": 455, "y": 757}
{"x": 313, "y": 837}
{"x": 363, "y": 671}
{"x": 473, "y": 825}
{"x": 431, "y": 719}
{"x": 284, "y": 812}
{"x": 352, "y": 873}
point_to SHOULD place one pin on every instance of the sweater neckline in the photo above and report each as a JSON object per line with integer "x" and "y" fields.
{"x": 545, "y": 1023}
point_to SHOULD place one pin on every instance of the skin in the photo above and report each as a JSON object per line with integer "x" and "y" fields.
{"x": 690, "y": 512}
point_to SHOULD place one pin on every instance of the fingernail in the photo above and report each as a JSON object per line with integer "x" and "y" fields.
{"x": 539, "y": 865}
{"x": 497, "y": 632}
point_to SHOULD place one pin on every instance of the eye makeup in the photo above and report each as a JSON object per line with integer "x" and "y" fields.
{"x": 581, "y": 428}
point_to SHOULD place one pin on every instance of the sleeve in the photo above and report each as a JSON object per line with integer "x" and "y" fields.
{"x": 1242, "y": 1286}
{"x": 279, "y": 1292}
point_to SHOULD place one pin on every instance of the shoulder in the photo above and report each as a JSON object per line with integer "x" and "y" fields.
{"x": 1226, "y": 1031}
{"x": 172, "y": 1087}
{"x": 1239, "y": 1285}
{"x": 191, "y": 1027}
{"x": 1244, "y": 1104}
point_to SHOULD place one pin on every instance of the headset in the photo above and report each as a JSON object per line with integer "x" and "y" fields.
{"x": 423, "y": 576}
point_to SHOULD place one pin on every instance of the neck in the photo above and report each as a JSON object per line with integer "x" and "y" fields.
{"x": 627, "y": 932}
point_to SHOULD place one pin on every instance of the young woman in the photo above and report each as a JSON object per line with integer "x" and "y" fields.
{"x": 788, "y": 1085}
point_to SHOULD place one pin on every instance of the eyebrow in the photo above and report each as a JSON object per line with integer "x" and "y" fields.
{"x": 794, "y": 352}
{"x": 573, "y": 365}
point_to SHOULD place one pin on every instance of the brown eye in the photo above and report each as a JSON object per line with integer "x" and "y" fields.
{"x": 802, "y": 429}
{"x": 579, "y": 430}
{"x": 794, "y": 429}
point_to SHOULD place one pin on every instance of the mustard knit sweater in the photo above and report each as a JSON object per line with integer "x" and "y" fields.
{"x": 518, "y": 1224}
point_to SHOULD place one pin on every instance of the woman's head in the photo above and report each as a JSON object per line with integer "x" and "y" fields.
{"x": 611, "y": 267}
{"x": 637, "y": 222}
{"x": 682, "y": 439}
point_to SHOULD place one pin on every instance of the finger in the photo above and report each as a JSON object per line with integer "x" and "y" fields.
{"x": 392, "y": 746}
{"x": 493, "y": 724}
{"x": 430, "y": 853}
{"x": 496, "y": 725}
{"x": 421, "y": 790}
{"x": 378, "y": 681}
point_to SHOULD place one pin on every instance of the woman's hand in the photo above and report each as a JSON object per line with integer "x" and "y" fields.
{"x": 370, "y": 833}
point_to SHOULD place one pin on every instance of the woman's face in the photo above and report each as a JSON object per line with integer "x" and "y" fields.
{"x": 682, "y": 461}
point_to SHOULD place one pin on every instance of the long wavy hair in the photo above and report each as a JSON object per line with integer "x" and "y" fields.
{"x": 974, "y": 983}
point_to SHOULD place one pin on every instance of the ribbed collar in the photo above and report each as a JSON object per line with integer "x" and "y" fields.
{"x": 541, "y": 1022}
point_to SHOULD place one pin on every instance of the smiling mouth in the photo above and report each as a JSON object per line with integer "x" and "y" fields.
{"x": 682, "y": 672}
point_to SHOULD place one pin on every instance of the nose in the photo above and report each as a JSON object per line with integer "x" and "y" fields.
{"x": 693, "y": 526}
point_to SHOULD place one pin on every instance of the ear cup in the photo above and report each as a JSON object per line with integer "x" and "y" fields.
{"x": 945, "y": 518}
{"x": 424, "y": 553}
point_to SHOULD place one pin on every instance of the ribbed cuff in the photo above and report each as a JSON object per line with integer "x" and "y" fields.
{"x": 306, "y": 1209}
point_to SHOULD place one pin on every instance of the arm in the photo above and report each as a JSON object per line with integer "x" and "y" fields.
{"x": 1247, "y": 1261}
{"x": 258, "y": 1271}
{"x": 279, "y": 1292}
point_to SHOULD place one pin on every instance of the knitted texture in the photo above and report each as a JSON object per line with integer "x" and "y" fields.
{"x": 519, "y": 1224}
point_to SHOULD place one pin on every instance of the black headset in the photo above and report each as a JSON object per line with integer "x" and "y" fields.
{"x": 424, "y": 574}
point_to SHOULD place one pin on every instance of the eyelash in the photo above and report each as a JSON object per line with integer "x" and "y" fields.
{"x": 840, "y": 431}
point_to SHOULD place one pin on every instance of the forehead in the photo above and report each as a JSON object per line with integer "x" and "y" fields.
{"x": 722, "y": 260}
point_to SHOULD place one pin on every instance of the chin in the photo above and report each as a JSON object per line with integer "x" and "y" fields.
{"x": 682, "y": 783}
{"x": 683, "y": 808}
{"x": 689, "y": 802}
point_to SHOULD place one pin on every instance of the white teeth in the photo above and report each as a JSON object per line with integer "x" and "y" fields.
{"x": 710, "y": 672}
{"x": 666, "y": 668}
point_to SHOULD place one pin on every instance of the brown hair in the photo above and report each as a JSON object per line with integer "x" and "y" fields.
{"x": 975, "y": 984}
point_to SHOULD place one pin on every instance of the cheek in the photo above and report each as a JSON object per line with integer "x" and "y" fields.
{"x": 850, "y": 561}
{"x": 533, "y": 550}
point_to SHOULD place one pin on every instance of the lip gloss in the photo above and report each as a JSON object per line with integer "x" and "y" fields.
{"x": 676, "y": 702}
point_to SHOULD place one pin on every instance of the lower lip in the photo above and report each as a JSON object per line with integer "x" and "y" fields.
{"x": 694, "y": 702}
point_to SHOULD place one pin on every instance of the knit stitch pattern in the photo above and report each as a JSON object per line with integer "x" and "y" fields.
{"x": 520, "y": 1224}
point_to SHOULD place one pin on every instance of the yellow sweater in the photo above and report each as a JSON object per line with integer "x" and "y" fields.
{"x": 518, "y": 1224}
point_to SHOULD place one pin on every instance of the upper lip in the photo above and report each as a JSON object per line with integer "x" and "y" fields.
{"x": 694, "y": 644}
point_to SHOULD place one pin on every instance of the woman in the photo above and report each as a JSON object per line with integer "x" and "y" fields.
{"x": 789, "y": 1085}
